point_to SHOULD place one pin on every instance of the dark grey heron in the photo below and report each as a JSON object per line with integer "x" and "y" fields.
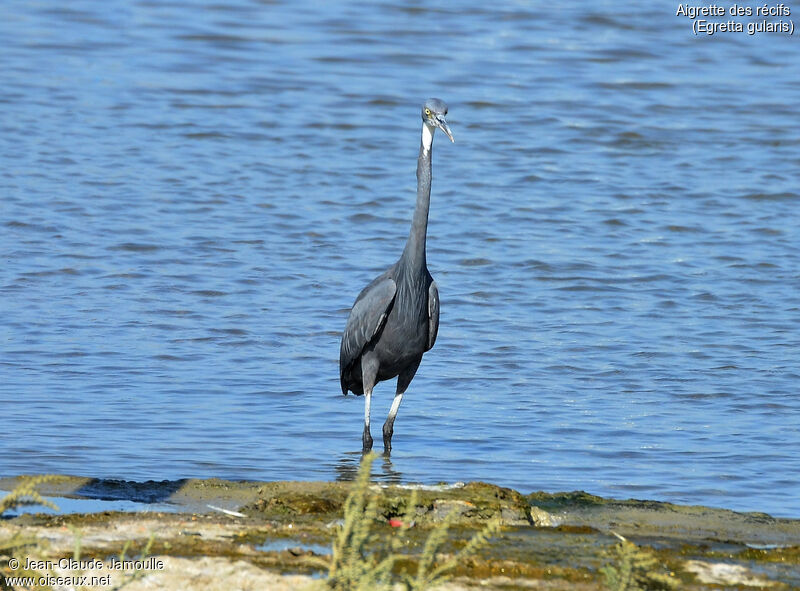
{"x": 395, "y": 318}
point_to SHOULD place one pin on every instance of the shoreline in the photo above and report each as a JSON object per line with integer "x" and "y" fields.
{"x": 267, "y": 531}
{"x": 190, "y": 494}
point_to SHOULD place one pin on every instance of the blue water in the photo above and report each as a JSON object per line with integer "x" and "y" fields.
{"x": 193, "y": 193}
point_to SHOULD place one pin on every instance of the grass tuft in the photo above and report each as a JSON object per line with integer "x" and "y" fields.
{"x": 25, "y": 494}
{"x": 635, "y": 569}
{"x": 19, "y": 547}
{"x": 363, "y": 560}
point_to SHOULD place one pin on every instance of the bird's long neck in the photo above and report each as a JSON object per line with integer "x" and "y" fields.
{"x": 414, "y": 252}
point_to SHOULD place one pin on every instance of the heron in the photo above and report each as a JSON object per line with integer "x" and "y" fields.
{"x": 395, "y": 318}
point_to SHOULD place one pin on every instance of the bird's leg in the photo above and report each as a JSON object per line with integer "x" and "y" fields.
{"x": 369, "y": 373}
{"x": 388, "y": 426}
{"x": 366, "y": 438}
{"x": 403, "y": 380}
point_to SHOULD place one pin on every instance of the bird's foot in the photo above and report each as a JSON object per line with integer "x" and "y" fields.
{"x": 367, "y": 442}
{"x": 387, "y": 439}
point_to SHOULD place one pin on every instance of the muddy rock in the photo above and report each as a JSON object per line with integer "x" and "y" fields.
{"x": 720, "y": 573}
{"x": 541, "y": 518}
{"x": 277, "y": 535}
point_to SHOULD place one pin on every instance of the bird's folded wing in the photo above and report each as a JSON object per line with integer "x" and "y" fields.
{"x": 366, "y": 318}
{"x": 433, "y": 314}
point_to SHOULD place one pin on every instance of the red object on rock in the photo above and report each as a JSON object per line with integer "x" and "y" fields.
{"x": 395, "y": 523}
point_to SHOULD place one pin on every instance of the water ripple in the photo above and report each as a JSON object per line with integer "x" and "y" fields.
{"x": 193, "y": 194}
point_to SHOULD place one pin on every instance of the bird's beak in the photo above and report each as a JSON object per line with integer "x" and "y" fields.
{"x": 442, "y": 124}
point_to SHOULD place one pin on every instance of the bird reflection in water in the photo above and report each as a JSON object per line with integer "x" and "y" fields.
{"x": 347, "y": 469}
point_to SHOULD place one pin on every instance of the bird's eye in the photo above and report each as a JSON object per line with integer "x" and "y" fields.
{"x": 428, "y": 112}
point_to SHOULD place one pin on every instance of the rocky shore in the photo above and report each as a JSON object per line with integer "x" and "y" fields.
{"x": 276, "y": 535}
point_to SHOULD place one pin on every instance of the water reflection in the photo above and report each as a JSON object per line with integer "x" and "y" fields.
{"x": 382, "y": 468}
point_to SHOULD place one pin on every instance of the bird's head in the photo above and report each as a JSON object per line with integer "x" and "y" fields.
{"x": 433, "y": 113}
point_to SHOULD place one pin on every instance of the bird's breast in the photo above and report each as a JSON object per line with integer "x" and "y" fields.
{"x": 405, "y": 334}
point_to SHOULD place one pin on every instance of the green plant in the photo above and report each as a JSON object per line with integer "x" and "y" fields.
{"x": 25, "y": 493}
{"x": 138, "y": 573}
{"x": 20, "y": 547}
{"x": 635, "y": 569}
{"x": 427, "y": 576}
{"x": 363, "y": 560}
{"x": 356, "y": 562}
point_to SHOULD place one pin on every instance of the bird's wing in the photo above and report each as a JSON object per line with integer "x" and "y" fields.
{"x": 366, "y": 319}
{"x": 433, "y": 314}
